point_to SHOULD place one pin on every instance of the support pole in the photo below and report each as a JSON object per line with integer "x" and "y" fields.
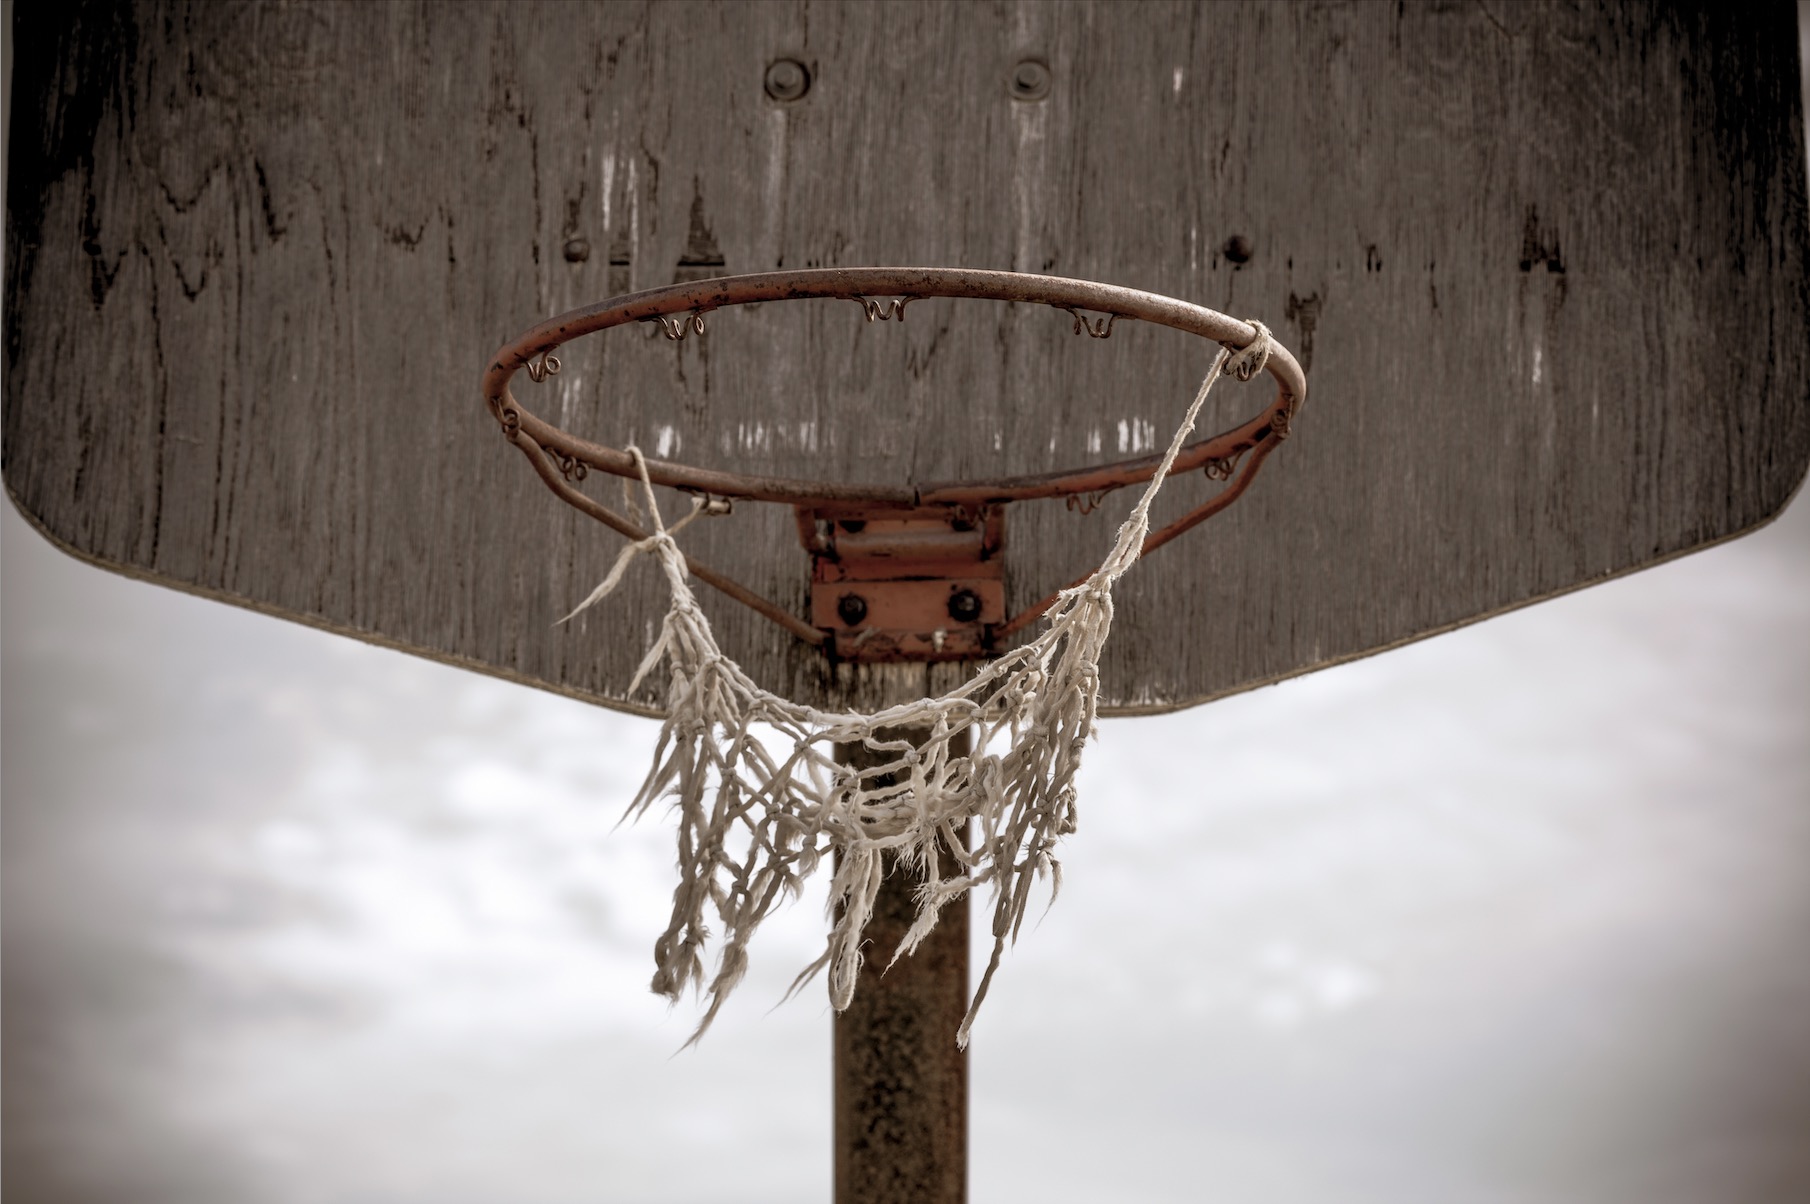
{"x": 901, "y": 1100}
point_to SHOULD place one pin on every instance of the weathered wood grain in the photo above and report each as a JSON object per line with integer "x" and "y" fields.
{"x": 1546, "y": 267}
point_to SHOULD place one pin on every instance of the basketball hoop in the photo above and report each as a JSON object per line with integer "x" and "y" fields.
{"x": 946, "y": 534}
{"x": 1001, "y": 749}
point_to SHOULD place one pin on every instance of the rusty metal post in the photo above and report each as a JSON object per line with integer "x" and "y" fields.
{"x": 901, "y": 1104}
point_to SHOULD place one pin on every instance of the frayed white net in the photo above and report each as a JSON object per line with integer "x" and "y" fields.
{"x": 753, "y": 824}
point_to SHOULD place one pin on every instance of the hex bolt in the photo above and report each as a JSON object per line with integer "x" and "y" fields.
{"x": 787, "y": 80}
{"x": 964, "y": 605}
{"x": 1030, "y": 80}
{"x": 851, "y": 609}
{"x": 577, "y": 250}
{"x": 1237, "y": 249}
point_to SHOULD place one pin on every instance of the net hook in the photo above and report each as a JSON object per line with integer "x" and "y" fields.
{"x": 677, "y": 328}
{"x": 1086, "y": 503}
{"x": 1095, "y": 328}
{"x": 884, "y": 311}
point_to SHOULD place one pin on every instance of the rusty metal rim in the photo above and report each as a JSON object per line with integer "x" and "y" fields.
{"x": 1233, "y": 456}
{"x": 865, "y": 285}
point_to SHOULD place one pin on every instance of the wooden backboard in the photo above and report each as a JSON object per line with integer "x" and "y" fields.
{"x": 1545, "y": 268}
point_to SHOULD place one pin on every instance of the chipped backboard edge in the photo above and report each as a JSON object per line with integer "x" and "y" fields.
{"x": 631, "y": 708}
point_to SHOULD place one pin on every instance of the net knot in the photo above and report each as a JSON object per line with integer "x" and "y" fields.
{"x": 1248, "y": 361}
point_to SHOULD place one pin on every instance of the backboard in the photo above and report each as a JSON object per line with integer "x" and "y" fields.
{"x": 1544, "y": 268}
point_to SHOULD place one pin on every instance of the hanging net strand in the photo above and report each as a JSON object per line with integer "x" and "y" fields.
{"x": 753, "y": 824}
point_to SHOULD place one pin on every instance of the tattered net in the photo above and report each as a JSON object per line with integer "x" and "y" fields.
{"x": 753, "y": 824}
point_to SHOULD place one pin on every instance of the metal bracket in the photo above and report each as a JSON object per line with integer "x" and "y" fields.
{"x": 906, "y": 584}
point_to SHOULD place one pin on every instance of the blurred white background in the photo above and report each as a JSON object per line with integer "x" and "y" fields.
{"x": 1514, "y": 914}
